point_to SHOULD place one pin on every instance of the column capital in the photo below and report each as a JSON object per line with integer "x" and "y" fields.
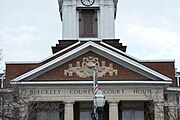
{"x": 113, "y": 101}
{"x": 69, "y": 111}
{"x": 68, "y": 101}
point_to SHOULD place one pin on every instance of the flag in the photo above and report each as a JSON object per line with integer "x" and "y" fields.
{"x": 96, "y": 87}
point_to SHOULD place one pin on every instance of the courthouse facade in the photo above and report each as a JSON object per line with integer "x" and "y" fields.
{"x": 60, "y": 86}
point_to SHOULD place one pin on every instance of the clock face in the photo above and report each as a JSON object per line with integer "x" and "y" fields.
{"x": 87, "y": 2}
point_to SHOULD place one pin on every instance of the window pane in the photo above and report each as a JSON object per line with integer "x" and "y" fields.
{"x": 139, "y": 115}
{"x": 84, "y": 115}
{"x": 88, "y": 23}
{"x": 54, "y": 116}
{"x": 126, "y": 115}
{"x": 41, "y": 116}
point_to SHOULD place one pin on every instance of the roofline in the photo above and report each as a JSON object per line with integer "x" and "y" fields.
{"x": 90, "y": 39}
{"x": 91, "y": 82}
{"x": 177, "y": 74}
{"x": 159, "y": 60}
{"x": 173, "y": 89}
{"x": 97, "y": 46}
{"x": 21, "y": 62}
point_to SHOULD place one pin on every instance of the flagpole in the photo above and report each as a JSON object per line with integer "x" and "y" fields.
{"x": 94, "y": 85}
{"x": 94, "y": 107}
{"x": 94, "y": 76}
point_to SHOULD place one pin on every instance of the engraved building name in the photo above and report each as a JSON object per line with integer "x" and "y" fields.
{"x": 136, "y": 91}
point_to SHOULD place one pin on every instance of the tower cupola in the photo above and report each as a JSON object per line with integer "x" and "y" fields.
{"x": 88, "y": 18}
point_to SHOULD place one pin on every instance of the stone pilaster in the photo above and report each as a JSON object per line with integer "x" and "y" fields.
{"x": 158, "y": 111}
{"x": 23, "y": 111}
{"x": 113, "y": 110}
{"x": 69, "y": 113}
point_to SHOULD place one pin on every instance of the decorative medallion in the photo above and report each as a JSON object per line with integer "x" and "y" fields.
{"x": 86, "y": 68}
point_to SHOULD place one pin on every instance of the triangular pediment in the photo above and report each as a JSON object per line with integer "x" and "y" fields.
{"x": 81, "y": 68}
{"x": 111, "y": 56}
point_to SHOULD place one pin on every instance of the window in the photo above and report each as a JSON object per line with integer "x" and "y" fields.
{"x": 132, "y": 111}
{"x": 132, "y": 115}
{"x": 46, "y": 111}
{"x": 48, "y": 115}
{"x": 85, "y": 115}
{"x": 88, "y": 23}
{"x": 85, "y": 110}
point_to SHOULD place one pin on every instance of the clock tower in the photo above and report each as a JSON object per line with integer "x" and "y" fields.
{"x": 82, "y": 19}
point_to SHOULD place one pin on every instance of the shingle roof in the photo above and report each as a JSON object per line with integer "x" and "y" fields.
{"x": 65, "y": 43}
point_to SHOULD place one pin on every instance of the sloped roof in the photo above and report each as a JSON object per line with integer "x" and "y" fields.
{"x": 100, "y": 48}
{"x": 1, "y": 74}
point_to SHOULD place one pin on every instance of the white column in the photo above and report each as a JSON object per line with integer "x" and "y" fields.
{"x": 69, "y": 113}
{"x": 158, "y": 111}
{"x": 101, "y": 19}
{"x": 75, "y": 20}
{"x": 113, "y": 111}
{"x": 111, "y": 21}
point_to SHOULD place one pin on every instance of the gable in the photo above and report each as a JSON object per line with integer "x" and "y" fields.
{"x": 70, "y": 70}
{"x": 102, "y": 49}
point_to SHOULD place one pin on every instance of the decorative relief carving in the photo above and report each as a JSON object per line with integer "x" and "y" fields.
{"x": 86, "y": 68}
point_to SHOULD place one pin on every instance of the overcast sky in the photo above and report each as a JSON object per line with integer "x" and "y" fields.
{"x": 149, "y": 28}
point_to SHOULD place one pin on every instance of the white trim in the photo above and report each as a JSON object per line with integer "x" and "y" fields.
{"x": 110, "y": 52}
{"x": 90, "y": 39}
{"x": 177, "y": 89}
{"x": 21, "y": 62}
{"x": 159, "y": 60}
{"x": 91, "y": 82}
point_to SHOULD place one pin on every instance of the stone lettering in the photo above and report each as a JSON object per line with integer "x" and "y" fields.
{"x": 116, "y": 91}
{"x": 43, "y": 92}
{"x": 79, "y": 91}
{"x": 142, "y": 91}
{"x": 113, "y": 91}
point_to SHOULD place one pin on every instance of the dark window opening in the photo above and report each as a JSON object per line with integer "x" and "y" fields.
{"x": 88, "y": 23}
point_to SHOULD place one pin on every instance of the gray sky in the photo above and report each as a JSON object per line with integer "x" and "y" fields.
{"x": 149, "y": 28}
